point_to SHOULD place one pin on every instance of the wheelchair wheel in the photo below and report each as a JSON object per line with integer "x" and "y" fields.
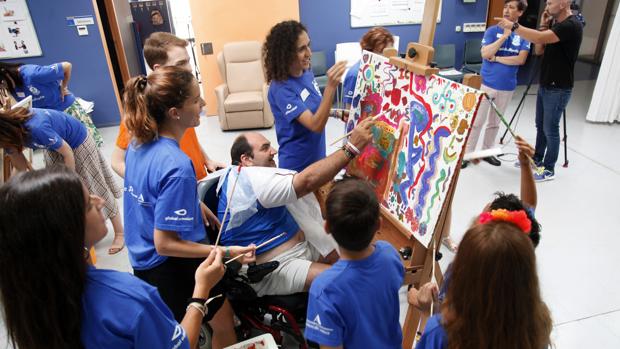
{"x": 206, "y": 334}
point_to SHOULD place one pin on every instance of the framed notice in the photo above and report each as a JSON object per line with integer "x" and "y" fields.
{"x": 370, "y": 13}
{"x": 18, "y": 39}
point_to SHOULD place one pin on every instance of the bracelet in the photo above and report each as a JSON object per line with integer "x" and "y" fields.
{"x": 227, "y": 252}
{"x": 197, "y": 306}
{"x": 202, "y": 301}
{"x": 353, "y": 148}
{"x": 348, "y": 153}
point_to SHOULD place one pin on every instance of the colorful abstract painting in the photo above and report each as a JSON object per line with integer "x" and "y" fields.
{"x": 418, "y": 137}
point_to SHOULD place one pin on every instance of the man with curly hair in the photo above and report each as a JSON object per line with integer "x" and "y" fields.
{"x": 299, "y": 110}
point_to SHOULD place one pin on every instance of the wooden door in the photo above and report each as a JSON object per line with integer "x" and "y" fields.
{"x": 221, "y": 21}
{"x": 496, "y": 9}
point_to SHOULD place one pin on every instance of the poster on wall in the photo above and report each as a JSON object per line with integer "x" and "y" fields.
{"x": 18, "y": 38}
{"x": 371, "y": 13}
{"x": 150, "y": 17}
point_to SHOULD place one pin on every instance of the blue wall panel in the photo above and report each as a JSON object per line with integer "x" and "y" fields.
{"x": 329, "y": 23}
{"x": 90, "y": 78}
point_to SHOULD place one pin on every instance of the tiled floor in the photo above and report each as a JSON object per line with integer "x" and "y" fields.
{"x": 579, "y": 211}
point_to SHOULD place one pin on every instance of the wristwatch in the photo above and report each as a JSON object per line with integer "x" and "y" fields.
{"x": 515, "y": 26}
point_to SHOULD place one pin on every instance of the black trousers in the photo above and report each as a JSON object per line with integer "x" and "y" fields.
{"x": 175, "y": 281}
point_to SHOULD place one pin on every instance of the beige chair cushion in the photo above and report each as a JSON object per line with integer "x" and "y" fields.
{"x": 243, "y": 101}
{"x": 244, "y": 70}
{"x": 242, "y": 77}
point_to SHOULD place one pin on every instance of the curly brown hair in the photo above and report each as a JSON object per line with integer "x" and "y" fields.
{"x": 376, "y": 38}
{"x": 280, "y": 48}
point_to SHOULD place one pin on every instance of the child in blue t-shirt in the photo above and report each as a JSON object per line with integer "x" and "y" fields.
{"x": 493, "y": 300}
{"x": 354, "y": 304}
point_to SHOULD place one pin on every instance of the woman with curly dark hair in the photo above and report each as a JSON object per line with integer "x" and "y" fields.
{"x": 299, "y": 110}
{"x": 375, "y": 40}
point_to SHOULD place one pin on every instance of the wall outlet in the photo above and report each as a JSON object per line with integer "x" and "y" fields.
{"x": 457, "y": 29}
{"x": 478, "y": 27}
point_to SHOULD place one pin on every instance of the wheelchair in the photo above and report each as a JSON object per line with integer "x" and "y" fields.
{"x": 277, "y": 315}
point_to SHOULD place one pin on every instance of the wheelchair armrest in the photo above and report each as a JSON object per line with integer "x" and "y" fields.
{"x": 256, "y": 272}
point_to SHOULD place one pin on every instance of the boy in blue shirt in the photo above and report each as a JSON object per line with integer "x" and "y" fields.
{"x": 354, "y": 304}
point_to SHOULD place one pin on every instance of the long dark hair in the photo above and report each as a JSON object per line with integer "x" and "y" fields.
{"x": 280, "y": 49}
{"x": 493, "y": 300}
{"x": 13, "y": 131}
{"x": 42, "y": 265}
{"x": 8, "y": 72}
{"x": 147, "y": 100}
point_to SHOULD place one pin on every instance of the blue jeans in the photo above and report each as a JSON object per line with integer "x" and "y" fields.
{"x": 550, "y": 104}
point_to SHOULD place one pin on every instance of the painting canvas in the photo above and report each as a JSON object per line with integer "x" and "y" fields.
{"x": 421, "y": 126}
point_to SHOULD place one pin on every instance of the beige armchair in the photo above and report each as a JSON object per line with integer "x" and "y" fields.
{"x": 242, "y": 98}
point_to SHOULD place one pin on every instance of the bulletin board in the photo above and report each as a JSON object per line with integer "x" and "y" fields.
{"x": 18, "y": 39}
{"x": 371, "y": 13}
{"x": 150, "y": 17}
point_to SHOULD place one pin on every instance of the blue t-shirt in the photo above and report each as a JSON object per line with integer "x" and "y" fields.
{"x": 299, "y": 147}
{"x": 348, "y": 87}
{"x": 48, "y": 128}
{"x": 160, "y": 192}
{"x": 435, "y": 336}
{"x": 497, "y": 75}
{"x": 42, "y": 82}
{"x": 355, "y": 304}
{"x": 122, "y": 311}
{"x": 260, "y": 227}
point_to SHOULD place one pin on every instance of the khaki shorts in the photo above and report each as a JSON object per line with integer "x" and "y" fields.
{"x": 290, "y": 276}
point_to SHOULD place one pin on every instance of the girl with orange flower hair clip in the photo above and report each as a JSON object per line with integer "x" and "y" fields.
{"x": 505, "y": 207}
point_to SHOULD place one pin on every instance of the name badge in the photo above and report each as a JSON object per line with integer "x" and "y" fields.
{"x": 304, "y": 95}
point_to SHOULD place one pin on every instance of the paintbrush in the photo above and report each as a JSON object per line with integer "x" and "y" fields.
{"x": 503, "y": 119}
{"x": 374, "y": 118}
{"x": 259, "y": 246}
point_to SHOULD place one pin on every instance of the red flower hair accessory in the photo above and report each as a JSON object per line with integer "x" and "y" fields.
{"x": 518, "y": 218}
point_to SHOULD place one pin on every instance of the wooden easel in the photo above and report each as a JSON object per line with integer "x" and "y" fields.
{"x": 419, "y": 268}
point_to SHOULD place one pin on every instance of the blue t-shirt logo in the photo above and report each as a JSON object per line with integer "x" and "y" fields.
{"x": 34, "y": 90}
{"x": 318, "y": 326}
{"x": 497, "y": 75}
{"x": 180, "y": 216}
{"x": 316, "y": 86}
{"x": 178, "y": 332}
{"x": 290, "y": 109}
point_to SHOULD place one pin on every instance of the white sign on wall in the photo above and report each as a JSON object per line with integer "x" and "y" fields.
{"x": 371, "y": 13}
{"x": 18, "y": 38}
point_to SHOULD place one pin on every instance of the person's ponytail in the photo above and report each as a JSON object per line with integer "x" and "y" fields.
{"x": 136, "y": 117}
